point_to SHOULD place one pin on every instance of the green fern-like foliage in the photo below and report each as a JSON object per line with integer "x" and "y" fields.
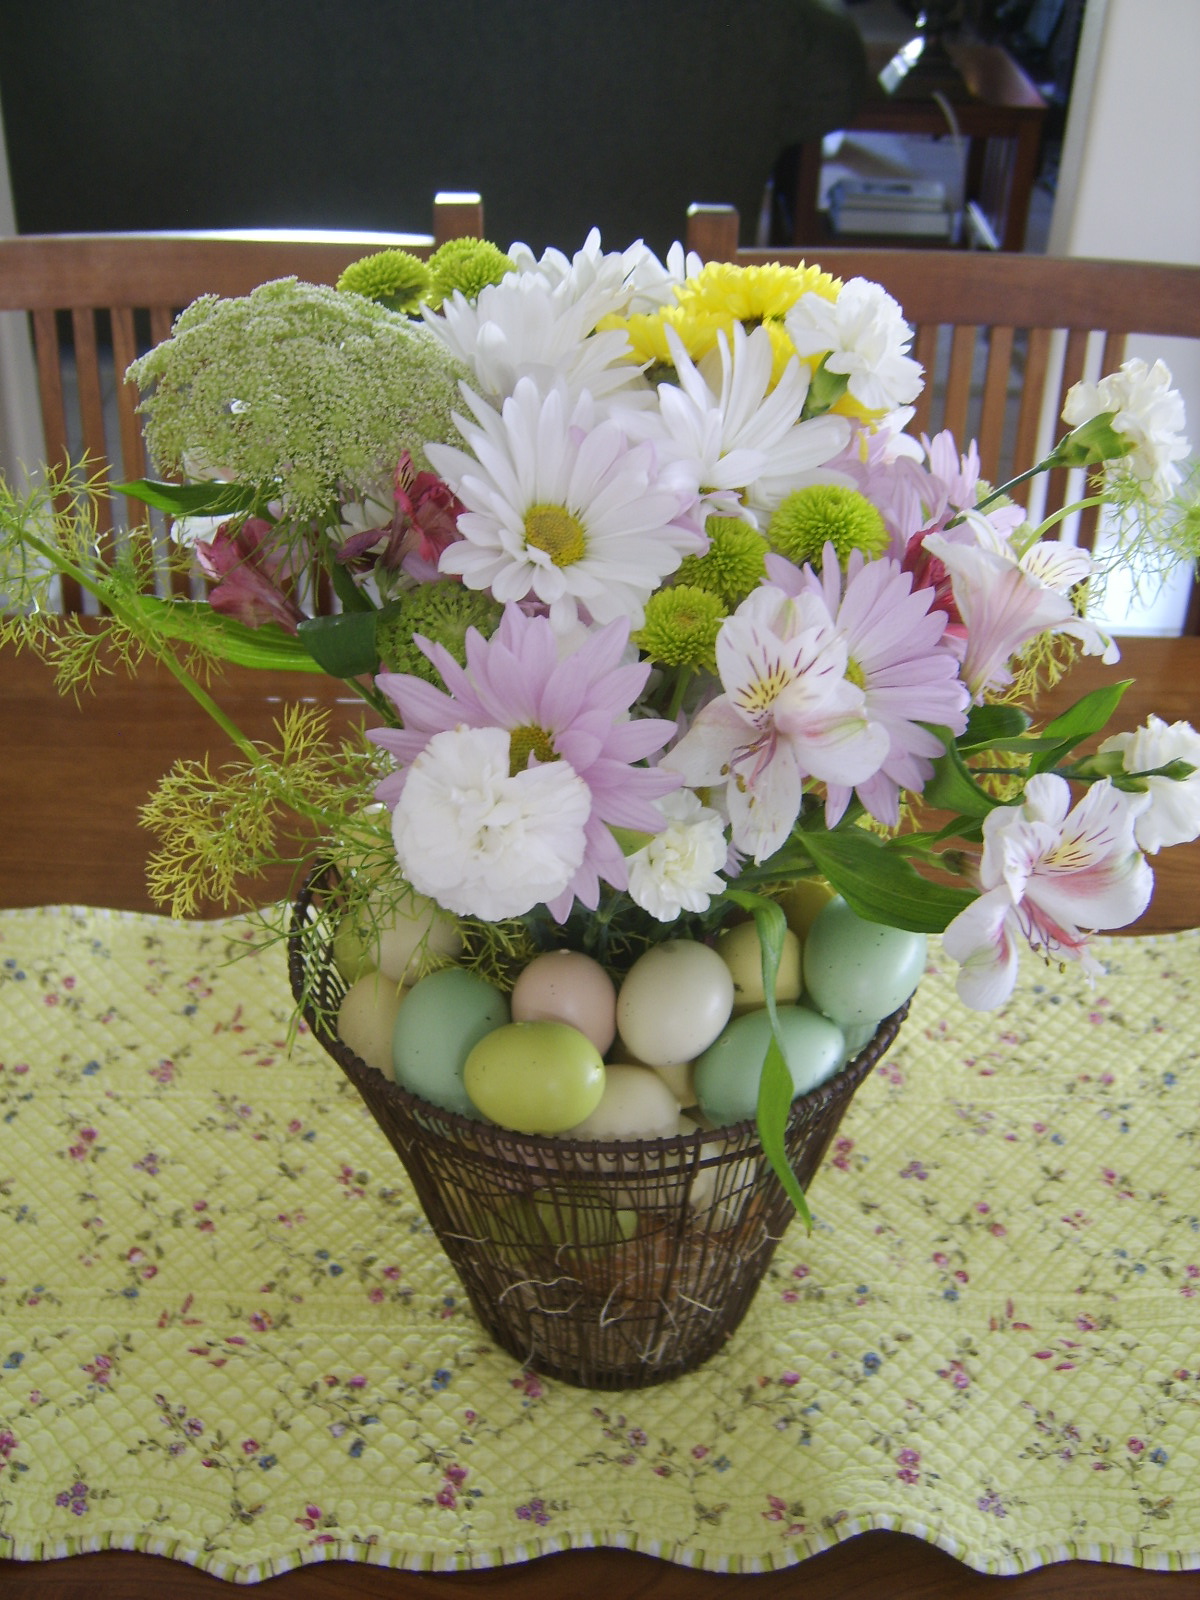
{"x": 293, "y": 388}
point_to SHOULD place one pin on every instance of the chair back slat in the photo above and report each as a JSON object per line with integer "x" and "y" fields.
{"x": 135, "y": 277}
{"x": 958, "y": 380}
{"x": 925, "y": 350}
{"x": 91, "y": 408}
{"x": 1074, "y": 361}
{"x": 994, "y": 404}
{"x": 1029, "y": 413}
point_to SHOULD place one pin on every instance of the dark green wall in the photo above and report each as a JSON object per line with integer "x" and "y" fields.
{"x": 146, "y": 114}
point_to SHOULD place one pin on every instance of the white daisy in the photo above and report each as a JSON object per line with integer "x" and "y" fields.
{"x": 619, "y": 281}
{"x": 561, "y": 508}
{"x": 744, "y": 435}
{"x": 522, "y": 327}
{"x": 481, "y": 840}
{"x": 862, "y": 334}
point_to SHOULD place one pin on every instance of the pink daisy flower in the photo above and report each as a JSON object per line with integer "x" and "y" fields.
{"x": 572, "y": 710}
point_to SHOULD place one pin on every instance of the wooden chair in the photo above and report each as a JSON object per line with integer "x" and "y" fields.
{"x": 1016, "y": 303}
{"x": 122, "y": 292}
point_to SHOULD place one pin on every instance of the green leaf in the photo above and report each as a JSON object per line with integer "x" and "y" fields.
{"x": 1089, "y": 715}
{"x": 343, "y": 646}
{"x": 347, "y": 591}
{"x": 882, "y": 886}
{"x": 953, "y": 786}
{"x": 190, "y": 499}
{"x": 1079, "y": 722}
{"x": 269, "y": 648}
{"x": 987, "y": 724}
{"x": 825, "y": 389}
{"x": 776, "y": 1090}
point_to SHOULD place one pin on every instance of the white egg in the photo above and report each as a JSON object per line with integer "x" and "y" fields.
{"x": 674, "y": 1002}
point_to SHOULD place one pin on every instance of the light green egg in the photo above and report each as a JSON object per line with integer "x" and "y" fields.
{"x": 857, "y": 971}
{"x": 728, "y": 1073}
{"x": 443, "y": 1019}
{"x": 535, "y": 1077}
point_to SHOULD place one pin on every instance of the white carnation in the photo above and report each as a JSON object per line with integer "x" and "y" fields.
{"x": 866, "y": 337}
{"x": 679, "y": 869}
{"x": 1174, "y": 813}
{"x": 1145, "y": 410}
{"x": 483, "y": 842}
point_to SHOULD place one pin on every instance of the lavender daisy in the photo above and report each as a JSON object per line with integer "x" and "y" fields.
{"x": 908, "y": 674}
{"x": 572, "y": 711}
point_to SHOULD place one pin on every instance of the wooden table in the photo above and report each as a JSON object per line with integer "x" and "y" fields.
{"x": 1000, "y": 116}
{"x": 72, "y": 778}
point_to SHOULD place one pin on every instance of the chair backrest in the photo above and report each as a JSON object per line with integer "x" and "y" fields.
{"x": 994, "y": 389}
{"x": 121, "y": 292}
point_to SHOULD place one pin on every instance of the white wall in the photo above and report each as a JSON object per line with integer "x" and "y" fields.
{"x": 1129, "y": 186}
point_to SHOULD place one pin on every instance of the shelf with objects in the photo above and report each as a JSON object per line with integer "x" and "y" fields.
{"x": 990, "y": 106}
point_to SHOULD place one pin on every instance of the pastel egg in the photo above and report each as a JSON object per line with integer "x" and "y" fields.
{"x": 398, "y": 943}
{"x": 566, "y": 986}
{"x": 535, "y": 1077}
{"x": 728, "y": 1073}
{"x": 367, "y": 1019}
{"x": 857, "y": 971}
{"x": 636, "y": 1104}
{"x": 674, "y": 1002}
{"x": 443, "y": 1018}
{"x": 679, "y": 1077}
{"x": 741, "y": 950}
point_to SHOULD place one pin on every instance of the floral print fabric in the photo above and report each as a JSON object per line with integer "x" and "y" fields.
{"x": 228, "y": 1335}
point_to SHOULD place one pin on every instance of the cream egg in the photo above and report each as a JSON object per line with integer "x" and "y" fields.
{"x": 741, "y": 950}
{"x": 399, "y": 943}
{"x": 636, "y": 1104}
{"x": 566, "y": 986}
{"x": 366, "y": 1019}
{"x": 674, "y": 1002}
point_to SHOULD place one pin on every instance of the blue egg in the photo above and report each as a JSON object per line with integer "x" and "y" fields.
{"x": 440, "y": 1023}
{"x": 728, "y": 1073}
{"x": 859, "y": 972}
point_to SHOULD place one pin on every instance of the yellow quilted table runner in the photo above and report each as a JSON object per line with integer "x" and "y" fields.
{"x": 227, "y": 1334}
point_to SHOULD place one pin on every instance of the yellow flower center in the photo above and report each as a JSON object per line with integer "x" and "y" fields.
{"x": 758, "y": 696}
{"x": 855, "y": 674}
{"x": 554, "y": 530}
{"x": 525, "y": 741}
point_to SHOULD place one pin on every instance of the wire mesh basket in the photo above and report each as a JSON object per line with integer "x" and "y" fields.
{"x": 611, "y": 1265}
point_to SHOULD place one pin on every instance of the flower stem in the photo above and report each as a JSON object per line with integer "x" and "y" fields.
{"x": 682, "y": 681}
{"x": 1078, "y": 505}
{"x": 1046, "y": 465}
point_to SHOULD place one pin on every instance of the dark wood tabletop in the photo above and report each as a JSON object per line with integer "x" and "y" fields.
{"x": 71, "y": 779}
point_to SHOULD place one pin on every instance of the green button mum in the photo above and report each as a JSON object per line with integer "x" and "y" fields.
{"x": 826, "y": 514}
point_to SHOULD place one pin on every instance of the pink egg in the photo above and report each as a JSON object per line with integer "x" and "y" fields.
{"x": 565, "y": 986}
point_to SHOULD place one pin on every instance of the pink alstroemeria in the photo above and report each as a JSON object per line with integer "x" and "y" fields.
{"x": 1048, "y": 874}
{"x": 424, "y": 522}
{"x": 788, "y": 714}
{"x": 253, "y": 573}
{"x": 897, "y": 655}
{"x": 572, "y": 709}
{"x": 1004, "y": 603}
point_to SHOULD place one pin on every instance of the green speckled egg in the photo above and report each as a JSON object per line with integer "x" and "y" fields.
{"x": 535, "y": 1077}
{"x": 444, "y": 1017}
{"x": 728, "y": 1073}
{"x": 857, "y": 971}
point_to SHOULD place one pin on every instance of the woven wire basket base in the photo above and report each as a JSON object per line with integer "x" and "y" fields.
{"x": 612, "y": 1265}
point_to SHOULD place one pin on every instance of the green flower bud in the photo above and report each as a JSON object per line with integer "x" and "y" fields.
{"x": 442, "y": 612}
{"x": 826, "y": 514}
{"x": 393, "y": 278}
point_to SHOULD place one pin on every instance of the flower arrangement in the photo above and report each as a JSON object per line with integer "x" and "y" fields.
{"x": 654, "y": 609}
